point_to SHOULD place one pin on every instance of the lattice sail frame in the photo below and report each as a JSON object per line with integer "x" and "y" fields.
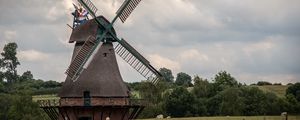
{"x": 126, "y": 9}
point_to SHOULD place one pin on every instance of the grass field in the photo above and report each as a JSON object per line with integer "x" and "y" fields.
{"x": 234, "y": 118}
{"x": 44, "y": 97}
{"x": 279, "y": 90}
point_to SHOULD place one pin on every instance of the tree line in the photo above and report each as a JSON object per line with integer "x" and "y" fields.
{"x": 16, "y": 90}
{"x": 183, "y": 96}
{"x": 222, "y": 96}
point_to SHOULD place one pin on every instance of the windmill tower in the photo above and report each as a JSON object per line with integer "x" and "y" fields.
{"x": 94, "y": 88}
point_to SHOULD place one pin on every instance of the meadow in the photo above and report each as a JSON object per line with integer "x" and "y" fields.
{"x": 233, "y": 118}
{"x": 279, "y": 90}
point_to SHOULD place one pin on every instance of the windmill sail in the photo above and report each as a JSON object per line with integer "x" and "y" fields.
{"x": 126, "y": 9}
{"x": 81, "y": 58}
{"x": 89, "y": 6}
{"x": 137, "y": 61}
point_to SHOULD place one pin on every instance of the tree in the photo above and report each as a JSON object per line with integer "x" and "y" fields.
{"x": 183, "y": 79}
{"x": 214, "y": 105}
{"x": 200, "y": 107}
{"x": 9, "y": 62}
{"x": 232, "y": 102}
{"x": 23, "y": 108}
{"x": 294, "y": 90}
{"x": 26, "y": 76}
{"x": 253, "y": 100}
{"x": 271, "y": 104}
{"x": 150, "y": 92}
{"x": 153, "y": 94}
{"x": 224, "y": 80}
{"x": 5, "y": 103}
{"x": 1, "y": 76}
{"x": 167, "y": 74}
{"x": 1, "y": 73}
{"x": 180, "y": 103}
{"x": 51, "y": 84}
{"x": 294, "y": 104}
{"x": 261, "y": 83}
{"x": 202, "y": 88}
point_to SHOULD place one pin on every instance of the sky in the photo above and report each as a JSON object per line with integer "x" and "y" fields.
{"x": 253, "y": 40}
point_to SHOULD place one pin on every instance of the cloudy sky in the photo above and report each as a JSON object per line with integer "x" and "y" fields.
{"x": 253, "y": 40}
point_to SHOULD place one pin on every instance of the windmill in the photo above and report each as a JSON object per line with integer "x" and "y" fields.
{"x": 107, "y": 34}
{"x": 94, "y": 89}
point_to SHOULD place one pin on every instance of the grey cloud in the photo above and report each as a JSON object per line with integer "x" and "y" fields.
{"x": 33, "y": 12}
{"x": 220, "y": 29}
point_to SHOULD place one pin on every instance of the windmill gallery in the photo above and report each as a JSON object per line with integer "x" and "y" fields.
{"x": 94, "y": 88}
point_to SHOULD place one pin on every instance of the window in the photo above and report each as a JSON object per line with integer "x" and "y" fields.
{"x": 86, "y": 94}
{"x": 87, "y": 98}
{"x": 104, "y": 54}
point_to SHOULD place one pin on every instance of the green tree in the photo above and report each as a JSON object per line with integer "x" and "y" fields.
{"x": 151, "y": 111}
{"x": 271, "y": 104}
{"x": 294, "y": 90}
{"x": 180, "y": 103}
{"x": 2, "y": 87}
{"x": 51, "y": 84}
{"x": 224, "y": 80}
{"x": 26, "y": 76}
{"x": 214, "y": 105}
{"x": 183, "y": 79}
{"x": 261, "y": 83}
{"x": 154, "y": 96}
{"x": 133, "y": 86}
{"x": 293, "y": 104}
{"x": 1, "y": 73}
{"x": 167, "y": 74}
{"x": 5, "y": 103}
{"x": 232, "y": 102}
{"x": 22, "y": 108}
{"x": 200, "y": 107}
{"x": 9, "y": 62}
{"x": 152, "y": 93}
{"x": 254, "y": 101}
{"x": 202, "y": 88}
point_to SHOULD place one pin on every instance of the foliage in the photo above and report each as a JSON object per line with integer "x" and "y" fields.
{"x": 294, "y": 90}
{"x": 202, "y": 88}
{"x": 26, "y": 76}
{"x": 9, "y": 63}
{"x": 223, "y": 96}
{"x": 294, "y": 105}
{"x": 200, "y": 107}
{"x": 261, "y": 117}
{"x": 15, "y": 90}
{"x": 149, "y": 91}
{"x": 253, "y": 101}
{"x": 19, "y": 107}
{"x": 180, "y": 103}
{"x": 260, "y": 83}
{"x": 232, "y": 102}
{"x": 280, "y": 91}
{"x": 183, "y": 79}
{"x": 152, "y": 111}
{"x": 167, "y": 74}
{"x": 213, "y": 105}
{"x": 224, "y": 80}
{"x": 277, "y": 84}
{"x": 133, "y": 86}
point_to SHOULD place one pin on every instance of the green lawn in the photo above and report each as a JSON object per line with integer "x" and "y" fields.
{"x": 234, "y": 118}
{"x": 44, "y": 97}
{"x": 279, "y": 90}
